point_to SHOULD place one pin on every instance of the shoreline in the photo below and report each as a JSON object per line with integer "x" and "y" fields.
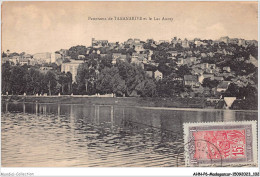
{"x": 121, "y": 101}
{"x": 190, "y": 104}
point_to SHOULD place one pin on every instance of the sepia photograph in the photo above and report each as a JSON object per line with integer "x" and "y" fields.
{"x": 129, "y": 84}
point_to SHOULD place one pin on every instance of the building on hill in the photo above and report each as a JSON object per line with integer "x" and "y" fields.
{"x": 138, "y": 47}
{"x": 5, "y": 60}
{"x": 218, "y": 78}
{"x": 24, "y": 61}
{"x": 227, "y": 69}
{"x": 99, "y": 43}
{"x": 242, "y": 42}
{"x": 205, "y": 76}
{"x": 119, "y": 56}
{"x": 224, "y": 39}
{"x": 55, "y": 57}
{"x": 191, "y": 80}
{"x": 158, "y": 75}
{"x": 185, "y": 43}
{"x": 252, "y": 60}
{"x": 71, "y": 67}
{"x": 173, "y": 53}
{"x": 42, "y": 57}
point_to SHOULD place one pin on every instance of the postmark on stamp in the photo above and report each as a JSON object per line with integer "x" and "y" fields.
{"x": 220, "y": 143}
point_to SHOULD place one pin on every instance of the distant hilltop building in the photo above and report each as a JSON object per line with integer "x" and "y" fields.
{"x": 224, "y": 39}
{"x": 46, "y": 57}
{"x": 185, "y": 43}
{"x": 42, "y": 57}
{"x": 242, "y": 42}
{"x": 99, "y": 43}
{"x": 55, "y": 57}
{"x": 252, "y": 42}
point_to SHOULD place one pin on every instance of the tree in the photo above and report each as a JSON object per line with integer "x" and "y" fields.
{"x": 147, "y": 88}
{"x": 75, "y": 51}
{"x": 109, "y": 81}
{"x": 33, "y": 81}
{"x": 183, "y": 70}
{"x": 50, "y": 80}
{"x": 131, "y": 74}
{"x": 207, "y": 82}
{"x": 86, "y": 78}
{"x": 6, "y": 72}
{"x": 106, "y": 61}
{"x": 232, "y": 91}
{"x": 166, "y": 70}
{"x": 17, "y": 80}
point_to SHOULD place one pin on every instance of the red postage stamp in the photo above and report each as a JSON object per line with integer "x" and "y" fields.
{"x": 220, "y": 143}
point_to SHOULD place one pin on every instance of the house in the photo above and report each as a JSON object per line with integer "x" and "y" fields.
{"x": 212, "y": 66}
{"x": 139, "y": 48}
{"x": 163, "y": 41}
{"x": 118, "y": 56}
{"x": 191, "y": 80}
{"x": 42, "y": 57}
{"x": 203, "y": 55}
{"x": 185, "y": 43}
{"x": 158, "y": 75}
{"x": 252, "y": 60}
{"x": 150, "y": 53}
{"x": 190, "y": 61}
{"x": 55, "y": 57}
{"x": 5, "y": 59}
{"x": 136, "y": 61}
{"x": 113, "y": 61}
{"x": 137, "y": 41}
{"x": 197, "y": 71}
{"x": 24, "y": 61}
{"x": 210, "y": 76}
{"x": 224, "y": 39}
{"x": 173, "y": 53}
{"x": 81, "y": 57}
{"x": 112, "y": 45}
{"x": 71, "y": 67}
{"x": 204, "y": 65}
{"x": 180, "y": 61}
{"x": 223, "y": 86}
{"x": 227, "y": 69}
{"x": 204, "y": 76}
{"x": 14, "y": 60}
{"x": 218, "y": 78}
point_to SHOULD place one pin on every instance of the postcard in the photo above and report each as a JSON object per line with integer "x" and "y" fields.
{"x": 130, "y": 84}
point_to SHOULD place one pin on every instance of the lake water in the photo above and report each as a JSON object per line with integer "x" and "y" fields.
{"x": 63, "y": 135}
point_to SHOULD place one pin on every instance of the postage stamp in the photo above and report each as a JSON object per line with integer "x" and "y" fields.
{"x": 220, "y": 143}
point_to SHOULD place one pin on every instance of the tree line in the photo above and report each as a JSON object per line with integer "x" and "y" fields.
{"x": 17, "y": 80}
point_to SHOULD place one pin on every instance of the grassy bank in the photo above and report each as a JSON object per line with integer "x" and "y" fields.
{"x": 122, "y": 101}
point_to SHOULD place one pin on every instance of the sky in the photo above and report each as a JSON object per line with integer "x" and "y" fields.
{"x": 34, "y": 27}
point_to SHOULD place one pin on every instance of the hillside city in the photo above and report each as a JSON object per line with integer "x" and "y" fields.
{"x": 178, "y": 68}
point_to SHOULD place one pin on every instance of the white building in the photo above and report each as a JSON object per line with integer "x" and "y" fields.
{"x": 71, "y": 67}
{"x": 158, "y": 75}
{"x": 42, "y": 57}
{"x": 54, "y": 57}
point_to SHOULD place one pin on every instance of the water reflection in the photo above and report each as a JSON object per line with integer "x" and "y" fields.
{"x": 36, "y": 134}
